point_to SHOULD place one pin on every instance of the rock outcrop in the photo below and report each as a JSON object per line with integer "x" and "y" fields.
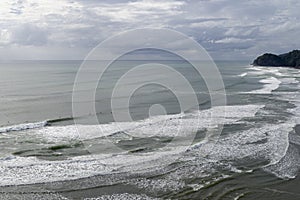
{"x": 291, "y": 59}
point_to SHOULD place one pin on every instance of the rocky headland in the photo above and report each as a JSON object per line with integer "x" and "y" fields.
{"x": 291, "y": 59}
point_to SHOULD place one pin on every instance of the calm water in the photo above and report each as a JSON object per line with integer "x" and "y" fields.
{"x": 42, "y": 154}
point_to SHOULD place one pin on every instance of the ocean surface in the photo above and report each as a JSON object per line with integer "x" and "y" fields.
{"x": 42, "y": 155}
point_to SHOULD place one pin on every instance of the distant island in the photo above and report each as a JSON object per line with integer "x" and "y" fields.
{"x": 291, "y": 59}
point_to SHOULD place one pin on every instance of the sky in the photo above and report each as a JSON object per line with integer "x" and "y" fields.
{"x": 69, "y": 29}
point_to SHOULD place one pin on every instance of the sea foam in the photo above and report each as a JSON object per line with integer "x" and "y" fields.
{"x": 30, "y": 170}
{"x": 271, "y": 84}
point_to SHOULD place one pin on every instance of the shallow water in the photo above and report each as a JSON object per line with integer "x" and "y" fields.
{"x": 44, "y": 155}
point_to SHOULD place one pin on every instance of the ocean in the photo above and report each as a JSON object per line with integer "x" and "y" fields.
{"x": 43, "y": 156}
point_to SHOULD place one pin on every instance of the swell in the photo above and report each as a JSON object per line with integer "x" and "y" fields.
{"x": 22, "y": 127}
{"x": 33, "y": 125}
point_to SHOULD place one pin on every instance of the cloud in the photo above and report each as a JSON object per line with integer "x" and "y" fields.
{"x": 4, "y": 37}
{"x": 223, "y": 27}
{"x": 29, "y": 34}
{"x": 232, "y": 40}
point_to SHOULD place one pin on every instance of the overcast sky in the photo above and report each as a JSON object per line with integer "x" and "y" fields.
{"x": 69, "y": 29}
